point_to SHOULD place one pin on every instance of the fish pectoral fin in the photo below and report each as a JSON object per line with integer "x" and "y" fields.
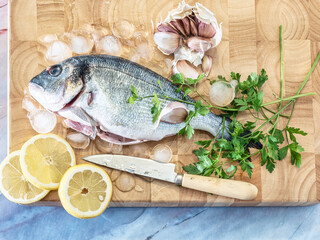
{"x": 85, "y": 129}
{"x": 116, "y": 139}
{"x": 174, "y": 112}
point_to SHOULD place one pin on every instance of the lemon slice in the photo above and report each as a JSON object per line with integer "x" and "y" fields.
{"x": 44, "y": 159}
{"x": 14, "y": 185}
{"x": 85, "y": 191}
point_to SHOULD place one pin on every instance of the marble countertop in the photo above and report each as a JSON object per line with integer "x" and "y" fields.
{"x": 26, "y": 222}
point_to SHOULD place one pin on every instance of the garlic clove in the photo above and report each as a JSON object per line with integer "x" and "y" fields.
{"x": 206, "y": 64}
{"x": 166, "y": 27}
{"x": 199, "y": 44}
{"x": 186, "y": 69}
{"x": 206, "y": 30}
{"x": 186, "y": 25}
{"x": 167, "y": 42}
{"x": 178, "y": 24}
{"x": 193, "y": 28}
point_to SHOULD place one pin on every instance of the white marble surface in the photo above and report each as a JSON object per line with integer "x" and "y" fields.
{"x": 26, "y": 222}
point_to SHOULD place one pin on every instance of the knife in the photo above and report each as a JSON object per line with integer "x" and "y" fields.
{"x": 165, "y": 171}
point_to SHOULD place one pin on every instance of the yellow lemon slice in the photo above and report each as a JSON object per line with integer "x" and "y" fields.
{"x": 85, "y": 191}
{"x": 14, "y": 185}
{"x": 44, "y": 159}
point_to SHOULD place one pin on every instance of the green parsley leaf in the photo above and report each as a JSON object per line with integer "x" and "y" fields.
{"x": 178, "y": 78}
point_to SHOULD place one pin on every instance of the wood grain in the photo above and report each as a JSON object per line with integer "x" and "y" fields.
{"x": 250, "y": 42}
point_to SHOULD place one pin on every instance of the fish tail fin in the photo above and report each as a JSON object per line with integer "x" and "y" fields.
{"x": 252, "y": 144}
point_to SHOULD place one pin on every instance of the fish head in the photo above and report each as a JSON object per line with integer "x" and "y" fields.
{"x": 58, "y": 85}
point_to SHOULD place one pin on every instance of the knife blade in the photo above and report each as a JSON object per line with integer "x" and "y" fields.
{"x": 166, "y": 172}
{"x": 136, "y": 165}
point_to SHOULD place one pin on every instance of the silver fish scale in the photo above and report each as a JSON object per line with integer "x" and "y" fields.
{"x": 110, "y": 78}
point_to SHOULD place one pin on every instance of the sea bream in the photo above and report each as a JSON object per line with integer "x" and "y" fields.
{"x": 91, "y": 92}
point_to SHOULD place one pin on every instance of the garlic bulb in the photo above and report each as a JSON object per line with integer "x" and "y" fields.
{"x": 222, "y": 93}
{"x": 198, "y": 29}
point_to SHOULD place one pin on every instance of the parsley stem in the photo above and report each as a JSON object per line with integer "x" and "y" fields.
{"x": 289, "y": 98}
{"x": 265, "y": 115}
{"x": 275, "y": 115}
{"x": 309, "y": 74}
{"x": 281, "y": 79}
{"x": 269, "y": 110}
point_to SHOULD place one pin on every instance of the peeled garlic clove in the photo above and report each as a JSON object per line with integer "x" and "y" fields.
{"x": 179, "y": 26}
{"x": 42, "y": 121}
{"x": 166, "y": 27}
{"x": 58, "y": 51}
{"x": 186, "y": 69}
{"x": 206, "y": 64}
{"x": 193, "y": 28}
{"x": 199, "y": 44}
{"x": 167, "y": 42}
{"x": 109, "y": 45}
{"x": 206, "y": 30}
{"x": 161, "y": 153}
{"x": 80, "y": 45}
{"x": 221, "y": 93}
{"x": 78, "y": 140}
{"x": 186, "y": 25}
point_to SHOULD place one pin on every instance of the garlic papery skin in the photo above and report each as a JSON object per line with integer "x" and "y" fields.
{"x": 199, "y": 44}
{"x": 167, "y": 42}
{"x": 206, "y": 64}
{"x": 180, "y": 12}
{"x": 185, "y": 53}
{"x": 186, "y": 69}
{"x": 221, "y": 93}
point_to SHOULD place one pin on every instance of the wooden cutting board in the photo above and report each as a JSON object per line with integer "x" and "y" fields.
{"x": 250, "y": 42}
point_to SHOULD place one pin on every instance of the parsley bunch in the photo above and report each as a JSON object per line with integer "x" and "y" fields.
{"x": 213, "y": 155}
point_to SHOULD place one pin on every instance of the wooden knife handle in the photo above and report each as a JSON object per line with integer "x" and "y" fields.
{"x": 224, "y": 187}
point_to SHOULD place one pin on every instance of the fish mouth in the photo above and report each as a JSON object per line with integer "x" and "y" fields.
{"x": 53, "y": 102}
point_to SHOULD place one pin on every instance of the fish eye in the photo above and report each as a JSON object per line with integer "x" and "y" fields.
{"x": 54, "y": 70}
